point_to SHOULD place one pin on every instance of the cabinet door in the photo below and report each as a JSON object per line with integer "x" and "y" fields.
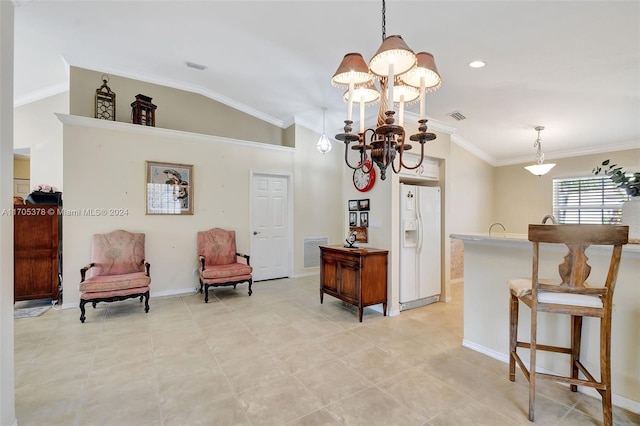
{"x": 349, "y": 273}
{"x": 328, "y": 274}
{"x": 35, "y": 255}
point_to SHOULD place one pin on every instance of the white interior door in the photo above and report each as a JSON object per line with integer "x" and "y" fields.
{"x": 270, "y": 252}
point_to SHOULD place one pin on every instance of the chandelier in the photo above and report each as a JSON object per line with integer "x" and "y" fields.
{"x": 403, "y": 77}
{"x": 539, "y": 168}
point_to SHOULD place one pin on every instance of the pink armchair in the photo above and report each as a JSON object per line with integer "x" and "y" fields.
{"x": 117, "y": 271}
{"x": 219, "y": 262}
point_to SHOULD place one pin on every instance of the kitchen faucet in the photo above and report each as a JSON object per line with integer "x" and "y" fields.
{"x": 550, "y": 216}
{"x": 497, "y": 223}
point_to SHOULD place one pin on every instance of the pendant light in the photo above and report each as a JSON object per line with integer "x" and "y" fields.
{"x": 539, "y": 168}
{"x": 324, "y": 144}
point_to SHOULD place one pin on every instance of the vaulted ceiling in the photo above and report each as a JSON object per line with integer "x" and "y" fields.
{"x": 571, "y": 66}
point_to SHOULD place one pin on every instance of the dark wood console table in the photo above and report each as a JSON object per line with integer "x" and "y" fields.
{"x": 354, "y": 275}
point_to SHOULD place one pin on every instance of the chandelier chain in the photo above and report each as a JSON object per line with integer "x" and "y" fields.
{"x": 384, "y": 21}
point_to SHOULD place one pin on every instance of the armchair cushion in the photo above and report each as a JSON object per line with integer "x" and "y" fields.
{"x": 116, "y": 253}
{"x": 99, "y": 283}
{"x": 218, "y": 246}
{"x": 237, "y": 271}
{"x": 116, "y": 294}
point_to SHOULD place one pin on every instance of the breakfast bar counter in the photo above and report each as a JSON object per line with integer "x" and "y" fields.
{"x": 489, "y": 261}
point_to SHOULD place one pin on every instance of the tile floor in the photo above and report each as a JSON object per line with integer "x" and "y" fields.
{"x": 275, "y": 358}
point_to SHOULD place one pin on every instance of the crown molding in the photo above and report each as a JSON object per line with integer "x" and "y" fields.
{"x": 41, "y": 94}
{"x": 551, "y": 155}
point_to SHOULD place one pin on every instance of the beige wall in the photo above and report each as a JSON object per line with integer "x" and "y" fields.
{"x": 21, "y": 168}
{"x": 105, "y": 168}
{"x": 37, "y": 128}
{"x": 521, "y": 198}
{"x": 177, "y": 109}
{"x": 317, "y": 182}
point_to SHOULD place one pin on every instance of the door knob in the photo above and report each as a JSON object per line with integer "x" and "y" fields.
{"x": 255, "y": 232}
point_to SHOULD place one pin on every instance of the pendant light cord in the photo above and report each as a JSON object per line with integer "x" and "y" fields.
{"x": 324, "y": 110}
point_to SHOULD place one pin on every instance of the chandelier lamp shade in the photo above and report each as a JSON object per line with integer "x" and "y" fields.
{"x": 539, "y": 168}
{"x": 402, "y": 77}
{"x": 324, "y": 144}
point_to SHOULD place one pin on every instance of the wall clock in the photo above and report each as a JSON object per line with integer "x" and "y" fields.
{"x": 364, "y": 181}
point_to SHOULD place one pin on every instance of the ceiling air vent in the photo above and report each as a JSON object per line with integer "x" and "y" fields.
{"x": 196, "y": 66}
{"x": 457, "y": 115}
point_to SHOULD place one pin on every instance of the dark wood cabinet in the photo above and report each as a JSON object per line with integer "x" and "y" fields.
{"x": 37, "y": 234}
{"x": 354, "y": 275}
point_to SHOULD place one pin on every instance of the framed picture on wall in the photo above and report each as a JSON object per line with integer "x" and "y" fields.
{"x": 364, "y": 219}
{"x": 169, "y": 188}
{"x": 353, "y": 219}
{"x": 363, "y": 204}
{"x": 353, "y": 205}
{"x": 361, "y": 233}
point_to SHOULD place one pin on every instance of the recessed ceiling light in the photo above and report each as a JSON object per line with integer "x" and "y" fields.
{"x": 477, "y": 64}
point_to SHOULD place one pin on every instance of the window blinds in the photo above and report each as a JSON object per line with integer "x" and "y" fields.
{"x": 590, "y": 200}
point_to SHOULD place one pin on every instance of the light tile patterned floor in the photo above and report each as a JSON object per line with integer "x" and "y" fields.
{"x": 278, "y": 357}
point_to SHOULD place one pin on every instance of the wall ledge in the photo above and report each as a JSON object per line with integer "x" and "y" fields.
{"x": 76, "y": 120}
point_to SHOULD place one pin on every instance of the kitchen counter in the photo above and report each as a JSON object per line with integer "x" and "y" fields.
{"x": 490, "y": 261}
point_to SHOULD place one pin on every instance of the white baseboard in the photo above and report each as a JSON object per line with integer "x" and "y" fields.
{"x": 306, "y": 274}
{"x": 174, "y": 292}
{"x": 151, "y": 295}
{"x": 617, "y": 400}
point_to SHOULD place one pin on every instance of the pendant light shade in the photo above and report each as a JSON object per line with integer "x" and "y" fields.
{"x": 324, "y": 144}
{"x": 353, "y": 69}
{"x": 393, "y": 51}
{"x": 425, "y": 68}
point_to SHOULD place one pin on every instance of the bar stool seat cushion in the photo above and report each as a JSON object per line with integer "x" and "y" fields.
{"x": 522, "y": 287}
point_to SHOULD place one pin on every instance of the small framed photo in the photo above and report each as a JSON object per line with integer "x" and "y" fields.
{"x": 353, "y": 205}
{"x": 169, "y": 188}
{"x": 364, "y": 219}
{"x": 361, "y": 234}
{"x": 363, "y": 205}
{"x": 353, "y": 219}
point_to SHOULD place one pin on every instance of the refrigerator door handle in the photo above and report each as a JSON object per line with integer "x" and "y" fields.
{"x": 420, "y": 221}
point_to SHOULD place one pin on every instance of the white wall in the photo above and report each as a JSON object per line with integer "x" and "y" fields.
{"x": 105, "y": 168}
{"x": 37, "y": 128}
{"x": 7, "y": 394}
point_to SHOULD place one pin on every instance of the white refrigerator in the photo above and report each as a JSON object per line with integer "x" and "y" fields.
{"x": 420, "y": 242}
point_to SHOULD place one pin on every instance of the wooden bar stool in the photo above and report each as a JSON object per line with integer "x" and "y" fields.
{"x": 571, "y": 296}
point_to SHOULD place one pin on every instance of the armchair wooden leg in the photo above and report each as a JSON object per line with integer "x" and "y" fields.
{"x": 82, "y": 313}
{"x": 146, "y": 302}
{"x": 206, "y": 293}
{"x": 576, "y": 337}
{"x": 250, "y": 283}
{"x": 513, "y": 336}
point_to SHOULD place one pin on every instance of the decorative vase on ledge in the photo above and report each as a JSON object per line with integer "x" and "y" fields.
{"x": 631, "y": 217}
